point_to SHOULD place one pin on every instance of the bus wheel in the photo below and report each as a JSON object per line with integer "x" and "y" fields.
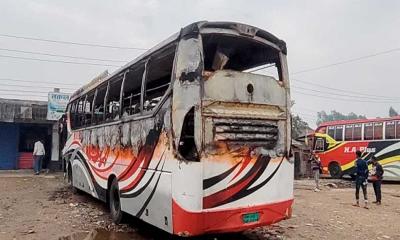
{"x": 114, "y": 202}
{"x": 335, "y": 170}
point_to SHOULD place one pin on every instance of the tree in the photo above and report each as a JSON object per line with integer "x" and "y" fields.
{"x": 392, "y": 112}
{"x": 334, "y": 115}
{"x": 299, "y": 126}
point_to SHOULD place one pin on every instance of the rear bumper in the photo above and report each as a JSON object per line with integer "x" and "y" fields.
{"x": 187, "y": 223}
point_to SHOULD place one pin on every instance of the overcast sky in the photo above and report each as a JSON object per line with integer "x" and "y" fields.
{"x": 317, "y": 33}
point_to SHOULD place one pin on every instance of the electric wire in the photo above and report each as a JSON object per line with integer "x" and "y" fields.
{"x": 30, "y": 81}
{"x": 59, "y": 55}
{"x": 340, "y": 99}
{"x": 72, "y": 43}
{"x": 60, "y": 61}
{"x": 346, "y": 61}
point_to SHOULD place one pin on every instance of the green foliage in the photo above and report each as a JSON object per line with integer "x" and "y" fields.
{"x": 392, "y": 112}
{"x": 334, "y": 115}
{"x": 299, "y": 126}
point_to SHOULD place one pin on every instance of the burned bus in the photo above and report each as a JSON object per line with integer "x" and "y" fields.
{"x": 193, "y": 136}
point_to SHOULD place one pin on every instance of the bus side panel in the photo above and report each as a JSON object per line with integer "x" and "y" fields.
{"x": 154, "y": 204}
{"x": 344, "y": 154}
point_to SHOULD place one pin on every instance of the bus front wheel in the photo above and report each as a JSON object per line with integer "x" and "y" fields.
{"x": 335, "y": 170}
{"x": 114, "y": 202}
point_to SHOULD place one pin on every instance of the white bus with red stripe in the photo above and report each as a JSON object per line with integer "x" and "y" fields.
{"x": 192, "y": 136}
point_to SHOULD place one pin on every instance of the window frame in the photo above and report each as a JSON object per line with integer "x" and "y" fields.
{"x": 358, "y": 125}
{"x": 342, "y": 130}
{"x": 381, "y": 125}
{"x": 142, "y": 114}
{"x": 369, "y": 124}
{"x": 394, "y": 129}
{"x": 349, "y": 126}
{"x": 156, "y": 108}
{"x": 323, "y": 145}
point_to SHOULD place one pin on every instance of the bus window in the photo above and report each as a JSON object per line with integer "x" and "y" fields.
{"x": 79, "y": 113}
{"x": 390, "y": 130}
{"x": 339, "y": 133}
{"x": 132, "y": 90}
{"x": 357, "y": 132}
{"x": 112, "y": 103}
{"x": 72, "y": 114}
{"x": 158, "y": 77}
{"x": 319, "y": 145}
{"x": 224, "y": 52}
{"x": 348, "y": 133}
{"x": 378, "y": 131}
{"x": 397, "y": 129}
{"x": 368, "y": 131}
{"x": 331, "y": 131}
{"x": 98, "y": 114}
{"x": 88, "y": 109}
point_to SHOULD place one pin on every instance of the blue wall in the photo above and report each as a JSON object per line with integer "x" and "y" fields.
{"x": 8, "y": 145}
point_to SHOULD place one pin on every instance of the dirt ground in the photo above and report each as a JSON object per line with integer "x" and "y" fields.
{"x": 44, "y": 208}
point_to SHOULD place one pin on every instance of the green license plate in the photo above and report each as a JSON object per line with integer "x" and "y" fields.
{"x": 251, "y": 217}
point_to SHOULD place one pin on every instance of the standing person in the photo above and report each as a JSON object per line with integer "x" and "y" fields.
{"x": 316, "y": 169}
{"x": 361, "y": 179}
{"x": 376, "y": 178}
{"x": 38, "y": 155}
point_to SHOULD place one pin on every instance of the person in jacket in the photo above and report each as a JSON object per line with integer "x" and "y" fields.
{"x": 376, "y": 178}
{"x": 38, "y": 155}
{"x": 316, "y": 169}
{"x": 361, "y": 179}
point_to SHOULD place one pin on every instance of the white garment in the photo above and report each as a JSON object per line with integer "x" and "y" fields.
{"x": 38, "y": 149}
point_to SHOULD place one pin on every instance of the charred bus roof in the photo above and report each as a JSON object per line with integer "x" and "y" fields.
{"x": 202, "y": 27}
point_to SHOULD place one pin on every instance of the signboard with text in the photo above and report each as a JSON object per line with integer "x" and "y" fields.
{"x": 56, "y": 105}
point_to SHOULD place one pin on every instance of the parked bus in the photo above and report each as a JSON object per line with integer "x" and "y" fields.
{"x": 336, "y": 143}
{"x": 192, "y": 136}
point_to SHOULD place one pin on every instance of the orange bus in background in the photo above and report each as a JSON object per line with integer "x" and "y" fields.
{"x": 337, "y": 141}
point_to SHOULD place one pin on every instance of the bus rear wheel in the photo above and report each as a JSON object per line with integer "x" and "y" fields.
{"x": 335, "y": 170}
{"x": 114, "y": 202}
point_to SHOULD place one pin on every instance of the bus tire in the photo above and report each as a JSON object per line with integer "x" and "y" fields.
{"x": 114, "y": 202}
{"x": 335, "y": 170}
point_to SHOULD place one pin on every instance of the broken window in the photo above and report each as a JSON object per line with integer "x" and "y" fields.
{"x": 98, "y": 111}
{"x": 158, "y": 77}
{"x": 88, "y": 109}
{"x": 72, "y": 112}
{"x": 132, "y": 90}
{"x": 187, "y": 146}
{"x": 79, "y": 114}
{"x": 113, "y": 99}
{"x": 240, "y": 53}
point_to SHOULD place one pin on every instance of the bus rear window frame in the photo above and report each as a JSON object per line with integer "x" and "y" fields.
{"x": 257, "y": 40}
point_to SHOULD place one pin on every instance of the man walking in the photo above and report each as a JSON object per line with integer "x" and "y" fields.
{"x": 316, "y": 169}
{"x": 361, "y": 179}
{"x": 38, "y": 155}
{"x": 376, "y": 178}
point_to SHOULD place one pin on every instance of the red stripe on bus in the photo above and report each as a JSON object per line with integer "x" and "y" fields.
{"x": 228, "y": 220}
